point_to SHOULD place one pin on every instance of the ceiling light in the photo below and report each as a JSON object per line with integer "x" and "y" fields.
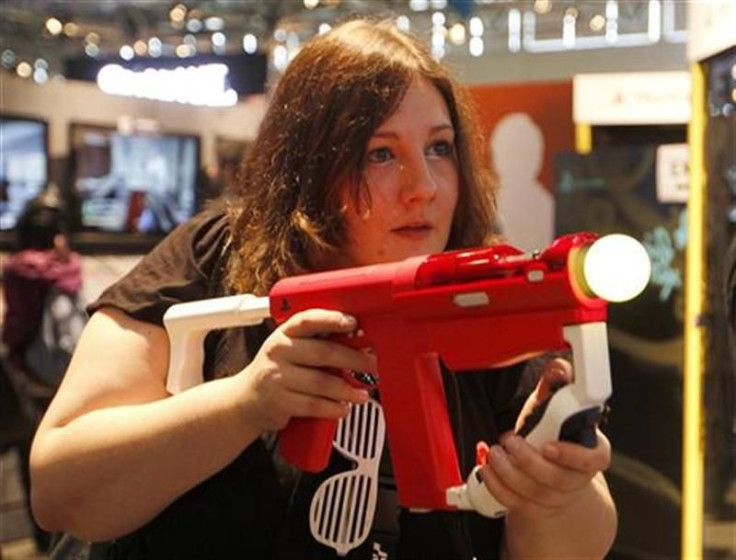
{"x": 54, "y": 26}
{"x": 40, "y": 75}
{"x": 140, "y": 47}
{"x": 24, "y": 70}
{"x": 654, "y": 30}
{"x": 127, "y": 52}
{"x": 71, "y": 29}
{"x": 542, "y": 6}
{"x": 514, "y": 31}
{"x": 418, "y": 5}
{"x": 476, "y": 26}
{"x": 476, "y": 46}
{"x": 154, "y": 47}
{"x": 218, "y": 39}
{"x": 219, "y": 42}
{"x": 568, "y": 30}
{"x": 7, "y": 59}
{"x": 194, "y": 25}
{"x": 280, "y": 57}
{"x": 250, "y": 43}
{"x": 178, "y": 13}
{"x": 457, "y": 34}
{"x": 311, "y": 4}
{"x": 214, "y": 23}
{"x": 184, "y": 51}
{"x": 597, "y": 22}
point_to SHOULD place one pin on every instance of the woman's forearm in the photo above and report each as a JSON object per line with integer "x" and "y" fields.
{"x": 585, "y": 530}
{"x": 109, "y": 471}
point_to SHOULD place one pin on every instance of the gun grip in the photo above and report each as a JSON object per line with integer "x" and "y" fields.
{"x": 306, "y": 443}
{"x": 580, "y": 427}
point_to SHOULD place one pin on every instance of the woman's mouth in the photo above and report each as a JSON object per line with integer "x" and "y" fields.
{"x": 413, "y": 231}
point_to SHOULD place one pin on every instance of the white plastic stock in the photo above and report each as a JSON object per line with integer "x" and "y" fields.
{"x": 591, "y": 387}
{"x": 187, "y": 324}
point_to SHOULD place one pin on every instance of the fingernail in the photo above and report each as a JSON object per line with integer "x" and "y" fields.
{"x": 349, "y": 321}
{"x": 361, "y": 395}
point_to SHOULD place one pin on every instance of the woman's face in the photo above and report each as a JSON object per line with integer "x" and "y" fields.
{"x": 411, "y": 173}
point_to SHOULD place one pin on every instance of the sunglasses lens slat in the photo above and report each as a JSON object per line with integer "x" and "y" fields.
{"x": 365, "y": 515}
{"x": 347, "y": 512}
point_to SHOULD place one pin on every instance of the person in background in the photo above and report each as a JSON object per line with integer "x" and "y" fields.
{"x": 43, "y": 265}
{"x": 367, "y": 154}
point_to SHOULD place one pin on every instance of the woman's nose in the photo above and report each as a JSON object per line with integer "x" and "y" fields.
{"x": 417, "y": 181}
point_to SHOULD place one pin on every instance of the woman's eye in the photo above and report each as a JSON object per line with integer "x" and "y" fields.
{"x": 380, "y": 155}
{"x": 441, "y": 148}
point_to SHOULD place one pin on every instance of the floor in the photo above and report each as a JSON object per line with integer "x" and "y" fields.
{"x": 15, "y": 528}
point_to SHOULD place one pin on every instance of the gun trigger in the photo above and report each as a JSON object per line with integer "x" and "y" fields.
{"x": 481, "y": 453}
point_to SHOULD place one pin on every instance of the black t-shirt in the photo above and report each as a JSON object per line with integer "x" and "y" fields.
{"x": 250, "y": 509}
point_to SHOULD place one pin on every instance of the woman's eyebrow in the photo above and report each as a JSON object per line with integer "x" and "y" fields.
{"x": 391, "y": 134}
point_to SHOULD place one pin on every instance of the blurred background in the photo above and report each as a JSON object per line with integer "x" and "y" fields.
{"x": 600, "y": 115}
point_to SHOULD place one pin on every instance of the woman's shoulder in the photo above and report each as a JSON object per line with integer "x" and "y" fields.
{"x": 199, "y": 243}
{"x": 186, "y": 265}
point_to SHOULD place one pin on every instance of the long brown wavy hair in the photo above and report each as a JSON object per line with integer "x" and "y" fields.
{"x": 287, "y": 214}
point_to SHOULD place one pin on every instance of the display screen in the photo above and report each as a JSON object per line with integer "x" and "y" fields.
{"x": 128, "y": 183}
{"x": 23, "y": 165}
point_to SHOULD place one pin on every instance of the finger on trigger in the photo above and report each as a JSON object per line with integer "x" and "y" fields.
{"x": 319, "y": 323}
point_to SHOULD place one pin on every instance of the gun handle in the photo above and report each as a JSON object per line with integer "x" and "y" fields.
{"x": 570, "y": 414}
{"x": 306, "y": 443}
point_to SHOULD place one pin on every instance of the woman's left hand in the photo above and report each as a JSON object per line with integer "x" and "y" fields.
{"x": 543, "y": 482}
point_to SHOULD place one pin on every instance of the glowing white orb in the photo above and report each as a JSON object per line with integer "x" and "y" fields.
{"x": 617, "y": 267}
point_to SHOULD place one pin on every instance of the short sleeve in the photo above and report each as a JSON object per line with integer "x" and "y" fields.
{"x": 187, "y": 265}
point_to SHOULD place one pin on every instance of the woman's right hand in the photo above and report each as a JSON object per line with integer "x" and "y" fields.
{"x": 288, "y": 376}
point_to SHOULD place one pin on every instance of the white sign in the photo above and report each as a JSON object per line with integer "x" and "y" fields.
{"x": 711, "y": 26}
{"x": 673, "y": 173}
{"x": 632, "y": 98}
{"x": 196, "y": 85}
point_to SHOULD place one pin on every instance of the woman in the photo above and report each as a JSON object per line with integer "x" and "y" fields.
{"x": 366, "y": 155}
